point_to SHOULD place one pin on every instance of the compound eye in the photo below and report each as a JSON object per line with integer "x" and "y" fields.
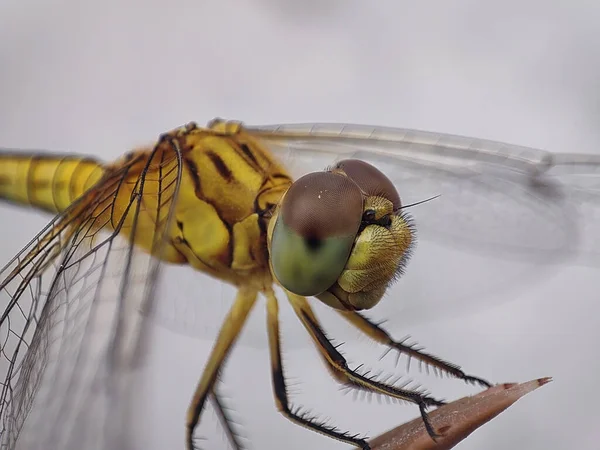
{"x": 314, "y": 232}
{"x": 370, "y": 179}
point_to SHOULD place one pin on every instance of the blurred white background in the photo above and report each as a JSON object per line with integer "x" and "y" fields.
{"x": 102, "y": 77}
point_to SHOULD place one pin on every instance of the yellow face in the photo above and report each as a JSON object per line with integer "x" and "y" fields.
{"x": 341, "y": 236}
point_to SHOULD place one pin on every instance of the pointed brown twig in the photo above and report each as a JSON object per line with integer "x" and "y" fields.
{"x": 457, "y": 420}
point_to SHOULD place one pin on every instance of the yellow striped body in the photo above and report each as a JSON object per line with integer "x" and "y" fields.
{"x": 211, "y": 198}
{"x": 51, "y": 183}
{"x": 229, "y": 185}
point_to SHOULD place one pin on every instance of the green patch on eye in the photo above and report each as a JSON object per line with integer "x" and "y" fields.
{"x": 307, "y": 266}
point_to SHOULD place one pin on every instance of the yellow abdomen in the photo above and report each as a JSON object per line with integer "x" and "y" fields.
{"x": 48, "y": 182}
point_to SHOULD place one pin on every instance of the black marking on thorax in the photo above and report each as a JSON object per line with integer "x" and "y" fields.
{"x": 194, "y": 175}
{"x": 220, "y": 165}
{"x": 248, "y": 153}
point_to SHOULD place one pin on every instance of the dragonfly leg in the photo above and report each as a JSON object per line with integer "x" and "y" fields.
{"x": 356, "y": 379}
{"x": 378, "y": 334}
{"x": 226, "y": 421}
{"x": 232, "y": 325}
{"x": 280, "y": 388}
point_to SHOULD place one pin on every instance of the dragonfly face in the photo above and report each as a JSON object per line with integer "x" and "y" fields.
{"x": 220, "y": 200}
{"x": 340, "y": 235}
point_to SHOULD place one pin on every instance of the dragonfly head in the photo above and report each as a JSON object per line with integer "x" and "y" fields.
{"x": 340, "y": 235}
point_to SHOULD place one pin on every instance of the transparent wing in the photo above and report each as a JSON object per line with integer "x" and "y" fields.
{"x": 579, "y": 178}
{"x": 72, "y": 303}
{"x": 507, "y": 216}
{"x": 490, "y": 191}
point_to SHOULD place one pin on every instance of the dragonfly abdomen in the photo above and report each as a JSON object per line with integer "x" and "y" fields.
{"x": 47, "y": 182}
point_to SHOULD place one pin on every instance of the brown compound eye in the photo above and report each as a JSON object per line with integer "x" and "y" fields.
{"x": 322, "y": 205}
{"x": 370, "y": 180}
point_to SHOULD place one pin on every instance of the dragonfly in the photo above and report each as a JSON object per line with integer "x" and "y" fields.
{"x": 236, "y": 203}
